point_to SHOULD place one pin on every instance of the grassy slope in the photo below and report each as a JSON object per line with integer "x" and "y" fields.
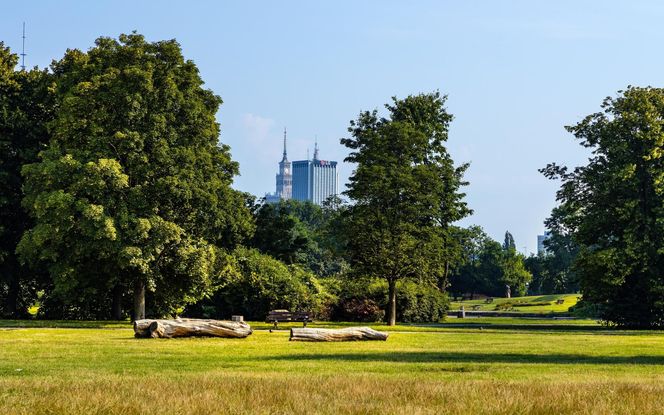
{"x": 570, "y": 300}
{"x": 455, "y": 370}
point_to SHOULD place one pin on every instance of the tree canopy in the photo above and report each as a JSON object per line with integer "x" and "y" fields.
{"x": 405, "y": 192}
{"x": 133, "y": 191}
{"x": 26, "y": 106}
{"x": 487, "y": 267}
{"x": 301, "y": 232}
{"x": 613, "y": 207}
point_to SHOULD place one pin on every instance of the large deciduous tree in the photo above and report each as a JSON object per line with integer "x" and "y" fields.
{"x": 614, "y": 207}
{"x": 133, "y": 192}
{"x": 26, "y": 105}
{"x": 405, "y": 192}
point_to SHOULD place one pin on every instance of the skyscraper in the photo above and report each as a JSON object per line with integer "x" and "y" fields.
{"x": 284, "y": 180}
{"x": 315, "y": 180}
{"x": 541, "y": 249}
{"x": 285, "y": 176}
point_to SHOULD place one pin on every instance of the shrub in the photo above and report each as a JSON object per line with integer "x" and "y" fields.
{"x": 360, "y": 309}
{"x": 586, "y": 310}
{"x": 256, "y": 283}
{"x": 366, "y": 300}
{"x": 420, "y": 303}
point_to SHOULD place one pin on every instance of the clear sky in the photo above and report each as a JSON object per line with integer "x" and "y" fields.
{"x": 516, "y": 73}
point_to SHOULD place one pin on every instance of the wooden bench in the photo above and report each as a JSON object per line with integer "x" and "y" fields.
{"x": 285, "y": 316}
{"x": 560, "y": 301}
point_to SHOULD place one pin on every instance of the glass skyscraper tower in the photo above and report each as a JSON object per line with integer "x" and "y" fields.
{"x": 313, "y": 180}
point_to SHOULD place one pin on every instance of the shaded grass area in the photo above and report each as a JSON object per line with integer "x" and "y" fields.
{"x": 529, "y": 304}
{"x": 78, "y": 324}
{"x": 447, "y": 371}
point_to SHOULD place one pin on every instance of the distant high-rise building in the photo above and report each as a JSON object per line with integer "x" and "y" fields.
{"x": 541, "y": 249}
{"x": 315, "y": 180}
{"x": 284, "y": 178}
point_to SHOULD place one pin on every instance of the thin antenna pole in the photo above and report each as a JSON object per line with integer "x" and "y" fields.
{"x": 284, "y": 141}
{"x": 23, "y": 50}
{"x": 316, "y": 147}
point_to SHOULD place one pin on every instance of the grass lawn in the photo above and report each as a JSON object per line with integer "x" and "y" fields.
{"x": 450, "y": 322}
{"x": 530, "y": 304}
{"x": 440, "y": 369}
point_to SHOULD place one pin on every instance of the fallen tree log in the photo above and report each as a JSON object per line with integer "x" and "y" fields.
{"x": 189, "y": 327}
{"x": 336, "y": 335}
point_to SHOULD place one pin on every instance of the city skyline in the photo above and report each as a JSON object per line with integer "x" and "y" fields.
{"x": 311, "y": 180}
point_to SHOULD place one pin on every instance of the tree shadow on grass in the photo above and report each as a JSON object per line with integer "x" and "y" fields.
{"x": 64, "y": 324}
{"x": 461, "y": 357}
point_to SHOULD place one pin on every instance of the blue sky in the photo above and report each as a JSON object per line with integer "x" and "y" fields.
{"x": 516, "y": 73}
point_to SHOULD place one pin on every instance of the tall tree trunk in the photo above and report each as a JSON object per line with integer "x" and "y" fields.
{"x": 116, "y": 307}
{"x": 392, "y": 303}
{"x": 139, "y": 300}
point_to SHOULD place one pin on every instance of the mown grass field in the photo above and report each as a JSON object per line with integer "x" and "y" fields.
{"x": 529, "y": 304}
{"x": 438, "y": 369}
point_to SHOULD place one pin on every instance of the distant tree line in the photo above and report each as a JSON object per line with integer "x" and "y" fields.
{"x": 486, "y": 267}
{"x": 116, "y": 202}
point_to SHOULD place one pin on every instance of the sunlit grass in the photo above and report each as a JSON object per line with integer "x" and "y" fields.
{"x": 454, "y": 370}
{"x": 530, "y": 304}
{"x": 450, "y": 322}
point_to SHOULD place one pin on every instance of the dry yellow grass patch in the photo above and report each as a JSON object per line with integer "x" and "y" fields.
{"x": 330, "y": 394}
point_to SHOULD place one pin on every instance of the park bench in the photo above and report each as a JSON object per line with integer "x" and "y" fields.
{"x": 285, "y": 316}
{"x": 489, "y": 300}
{"x": 560, "y": 301}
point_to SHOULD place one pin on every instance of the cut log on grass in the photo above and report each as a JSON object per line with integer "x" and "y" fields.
{"x": 336, "y": 335}
{"x": 189, "y": 327}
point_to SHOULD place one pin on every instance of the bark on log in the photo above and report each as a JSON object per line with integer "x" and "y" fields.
{"x": 336, "y": 335}
{"x": 188, "y": 327}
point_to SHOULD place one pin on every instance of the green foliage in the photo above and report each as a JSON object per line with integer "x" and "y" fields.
{"x": 552, "y": 271}
{"x": 367, "y": 299}
{"x": 281, "y": 234}
{"x": 420, "y": 303}
{"x": 585, "y": 309}
{"x": 514, "y": 272}
{"x": 258, "y": 283}
{"x": 487, "y": 267}
{"x": 300, "y": 232}
{"x": 405, "y": 193}
{"x": 133, "y": 190}
{"x": 613, "y": 207}
{"x": 509, "y": 242}
{"x": 26, "y": 105}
